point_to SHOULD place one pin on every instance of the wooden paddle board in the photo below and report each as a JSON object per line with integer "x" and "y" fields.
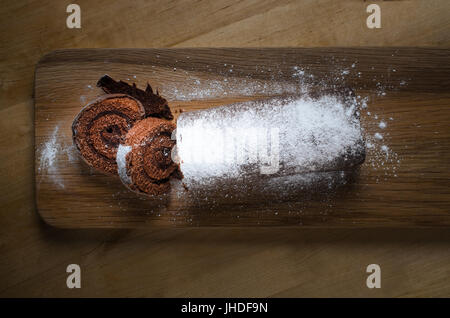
{"x": 405, "y": 99}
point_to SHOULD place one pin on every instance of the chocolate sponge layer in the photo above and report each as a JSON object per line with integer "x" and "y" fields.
{"x": 144, "y": 158}
{"x": 99, "y": 127}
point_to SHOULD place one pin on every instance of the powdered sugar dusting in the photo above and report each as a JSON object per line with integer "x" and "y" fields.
{"x": 51, "y": 154}
{"x": 209, "y": 88}
{"x": 380, "y": 154}
{"x": 49, "y": 151}
{"x": 310, "y": 135}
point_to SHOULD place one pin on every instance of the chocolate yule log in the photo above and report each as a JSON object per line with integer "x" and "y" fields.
{"x": 144, "y": 158}
{"x": 98, "y": 129}
{"x": 263, "y": 149}
{"x": 266, "y": 147}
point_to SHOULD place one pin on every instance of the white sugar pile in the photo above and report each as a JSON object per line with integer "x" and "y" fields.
{"x": 275, "y": 136}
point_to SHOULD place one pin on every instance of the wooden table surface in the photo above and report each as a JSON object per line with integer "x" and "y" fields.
{"x": 201, "y": 262}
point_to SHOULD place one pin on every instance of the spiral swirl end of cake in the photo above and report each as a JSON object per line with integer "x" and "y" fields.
{"x": 100, "y": 126}
{"x": 144, "y": 158}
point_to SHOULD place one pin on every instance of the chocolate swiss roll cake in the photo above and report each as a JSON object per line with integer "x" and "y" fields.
{"x": 261, "y": 150}
{"x": 278, "y": 136}
{"x": 144, "y": 157}
{"x": 99, "y": 127}
{"x": 269, "y": 149}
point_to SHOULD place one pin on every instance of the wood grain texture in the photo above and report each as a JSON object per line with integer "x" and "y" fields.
{"x": 218, "y": 262}
{"x": 411, "y": 190}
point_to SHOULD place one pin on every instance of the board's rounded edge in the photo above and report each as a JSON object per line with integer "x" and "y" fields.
{"x": 48, "y": 221}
